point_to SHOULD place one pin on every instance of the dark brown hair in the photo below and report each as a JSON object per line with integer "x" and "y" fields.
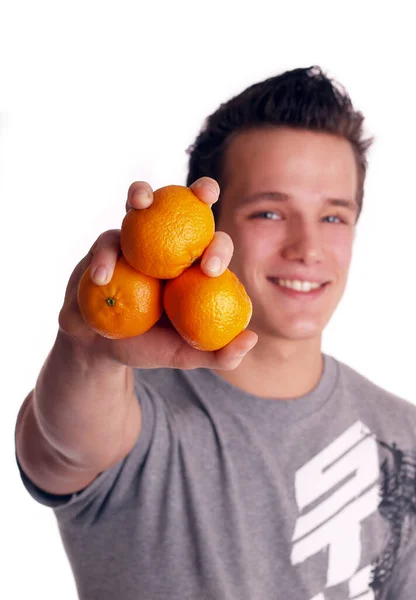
{"x": 301, "y": 98}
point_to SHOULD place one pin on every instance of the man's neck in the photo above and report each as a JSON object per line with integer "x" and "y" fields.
{"x": 280, "y": 369}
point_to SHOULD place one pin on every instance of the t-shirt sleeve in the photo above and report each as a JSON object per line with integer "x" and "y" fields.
{"x": 110, "y": 485}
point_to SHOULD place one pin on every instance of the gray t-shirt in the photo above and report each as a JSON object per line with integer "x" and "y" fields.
{"x": 228, "y": 496}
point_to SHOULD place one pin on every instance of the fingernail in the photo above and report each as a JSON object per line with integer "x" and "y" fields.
{"x": 99, "y": 275}
{"x": 246, "y": 350}
{"x": 207, "y": 185}
{"x": 212, "y": 189}
{"x": 143, "y": 198}
{"x": 213, "y": 264}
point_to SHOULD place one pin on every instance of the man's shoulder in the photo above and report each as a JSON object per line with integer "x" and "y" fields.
{"x": 375, "y": 403}
{"x": 358, "y": 383}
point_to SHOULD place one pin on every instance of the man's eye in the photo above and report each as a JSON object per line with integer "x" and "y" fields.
{"x": 333, "y": 219}
{"x": 266, "y": 214}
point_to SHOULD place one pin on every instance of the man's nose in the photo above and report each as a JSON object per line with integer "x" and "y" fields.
{"x": 303, "y": 244}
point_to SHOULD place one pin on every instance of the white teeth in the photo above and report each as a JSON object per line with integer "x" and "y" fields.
{"x": 299, "y": 286}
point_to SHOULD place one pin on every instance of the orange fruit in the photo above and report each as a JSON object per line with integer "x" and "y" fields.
{"x": 166, "y": 238}
{"x": 208, "y": 312}
{"x": 129, "y": 305}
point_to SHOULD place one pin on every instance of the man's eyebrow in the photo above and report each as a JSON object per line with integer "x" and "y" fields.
{"x": 278, "y": 196}
{"x": 349, "y": 204}
{"x": 283, "y": 197}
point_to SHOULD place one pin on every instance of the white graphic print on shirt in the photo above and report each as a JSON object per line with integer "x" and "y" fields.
{"x": 341, "y": 484}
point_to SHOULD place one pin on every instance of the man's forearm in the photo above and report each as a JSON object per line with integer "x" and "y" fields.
{"x": 84, "y": 405}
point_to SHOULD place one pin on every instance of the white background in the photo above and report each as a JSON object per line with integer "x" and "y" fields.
{"x": 95, "y": 95}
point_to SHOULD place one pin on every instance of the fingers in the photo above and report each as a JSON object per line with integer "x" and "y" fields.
{"x": 140, "y": 195}
{"x": 179, "y": 354}
{"x": 217, "y": 256}
{"x": 232, "y": 355}
{"x": 104, "y": 256}
{"x": 206, "y": 189}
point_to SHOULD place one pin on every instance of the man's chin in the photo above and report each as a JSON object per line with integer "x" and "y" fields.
{"x": 296, "y": 332}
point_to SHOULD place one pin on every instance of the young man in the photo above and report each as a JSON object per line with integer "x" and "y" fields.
{"x": 278, "y": 473}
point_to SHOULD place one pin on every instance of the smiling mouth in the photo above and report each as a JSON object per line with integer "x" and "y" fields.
{"x": 297, "y": 285}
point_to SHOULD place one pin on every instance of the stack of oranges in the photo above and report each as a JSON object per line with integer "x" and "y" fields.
{"x": 157, "y": 270}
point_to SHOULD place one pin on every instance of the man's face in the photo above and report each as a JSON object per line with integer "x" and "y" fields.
{"x": 289, "y": 205}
